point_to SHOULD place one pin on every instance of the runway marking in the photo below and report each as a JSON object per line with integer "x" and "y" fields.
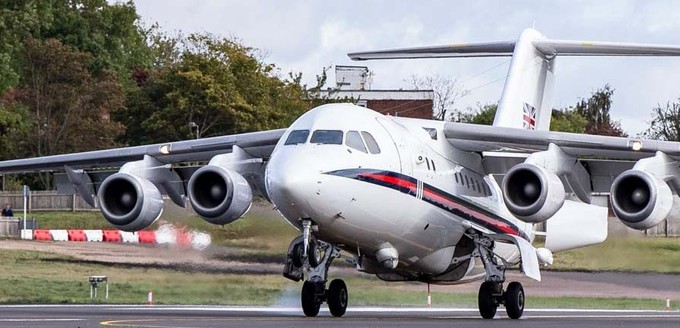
{"x": 39, "y": 320}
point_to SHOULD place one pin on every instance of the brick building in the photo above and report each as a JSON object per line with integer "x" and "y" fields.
{"x": 354, "y": 82}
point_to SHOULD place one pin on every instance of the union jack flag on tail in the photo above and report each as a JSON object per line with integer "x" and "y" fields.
{"x": 529, "y": 117}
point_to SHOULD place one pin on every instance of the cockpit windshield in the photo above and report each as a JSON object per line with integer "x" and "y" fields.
{"x": 297, "y": 137}
{"x": 333, "y": 137}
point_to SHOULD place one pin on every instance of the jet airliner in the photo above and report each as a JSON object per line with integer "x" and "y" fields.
{"x": 405, "y": 199}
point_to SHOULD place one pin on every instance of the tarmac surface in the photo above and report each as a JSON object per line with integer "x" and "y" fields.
{"x": 39, "y": 316}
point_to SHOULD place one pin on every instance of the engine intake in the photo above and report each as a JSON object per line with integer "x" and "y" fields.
{"x": 640, "y": 200}
{"x": 531, "y": 193}
{"x": 218, "y": 194}
{"x": 128, "y": 202}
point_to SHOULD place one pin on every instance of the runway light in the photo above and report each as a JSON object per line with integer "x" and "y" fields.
{"x": 636, "y": 145}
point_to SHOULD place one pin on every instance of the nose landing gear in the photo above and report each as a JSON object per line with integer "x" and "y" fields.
{"x": 312, "y": 258}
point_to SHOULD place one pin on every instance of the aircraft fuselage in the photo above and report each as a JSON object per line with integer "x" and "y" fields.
{"x": 413, "y": 193}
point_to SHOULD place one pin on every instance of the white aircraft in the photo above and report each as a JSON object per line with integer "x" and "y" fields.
{"x": 409, "y": 199}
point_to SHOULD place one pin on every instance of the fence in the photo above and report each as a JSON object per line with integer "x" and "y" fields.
{"x": 44, "y": 201}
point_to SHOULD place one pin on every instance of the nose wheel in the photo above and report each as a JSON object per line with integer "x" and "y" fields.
{"x": 310, "y": 259}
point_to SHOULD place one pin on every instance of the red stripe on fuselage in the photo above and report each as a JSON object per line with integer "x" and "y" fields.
{"x": 480, "y": 216}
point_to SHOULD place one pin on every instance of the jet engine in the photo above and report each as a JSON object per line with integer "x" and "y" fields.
{"x": 532, "y": 193}
{"x": 640, "y": 200}
{"x": 218, "y": 194}
{"x": 129, "y": 202}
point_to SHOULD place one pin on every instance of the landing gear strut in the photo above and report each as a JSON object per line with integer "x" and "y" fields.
{"x": 491, "y": 293}
{"x": 310, "y": 257}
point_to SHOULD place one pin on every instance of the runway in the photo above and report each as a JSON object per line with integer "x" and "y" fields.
{"x": 38, "y": 316}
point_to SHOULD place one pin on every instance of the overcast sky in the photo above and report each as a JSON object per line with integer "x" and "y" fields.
{"x": 304, "y": 36}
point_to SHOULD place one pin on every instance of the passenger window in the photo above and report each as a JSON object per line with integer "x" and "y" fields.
{"x": 354, "y": 141}
{"x": 332, "y": 137}
{"x": 297, "y": 137}
{"x": 371, "y": 143}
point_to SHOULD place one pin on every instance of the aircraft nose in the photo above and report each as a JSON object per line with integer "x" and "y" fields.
{"x": 290, "y": 182}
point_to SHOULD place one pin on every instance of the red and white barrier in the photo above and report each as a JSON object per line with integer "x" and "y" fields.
{"x": 59, "y": 235}
{"x": 94, "y": 235}
{"x": 165, "y": 235}
{"x": 129, "y": 237}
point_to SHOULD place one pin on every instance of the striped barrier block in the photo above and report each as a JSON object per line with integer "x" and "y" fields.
{"x": 27, "y": 234}
{"x": 42, "y": 234}
{"x": 111, "y": 236}
{"x": 129, "y": 237}
{"x": 59, "y": 235}
{"x": 147, "y": 237}
{"x": 166, "y": 235}
{"x": 76, "y": 235}
{"x": 200, "y": 240}
{"x": 94, "y": 235}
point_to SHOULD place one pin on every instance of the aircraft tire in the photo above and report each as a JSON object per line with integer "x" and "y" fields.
{"x": 337, "y": 297}
{"x": 485, "y": 300}
{"x": 310, "y": 305}
{"x": 314, "y": 255}
{"x": 297, "y": 256}
{"x": 514, "y": 300}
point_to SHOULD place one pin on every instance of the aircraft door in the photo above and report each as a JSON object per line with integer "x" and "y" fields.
{"x": 399, "y": 136}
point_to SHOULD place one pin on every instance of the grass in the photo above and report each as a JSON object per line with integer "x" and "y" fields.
{"x": 631, "y": 254}
{"x": 36, "y": 277}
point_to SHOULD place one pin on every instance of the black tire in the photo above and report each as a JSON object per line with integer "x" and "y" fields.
{"x": 514, "y": 300}
{"x": 485, "y": 300}
{"x": 314, "y": 256}
{"x": 310, "y": 305}
{"x": 297, "y": 256}
{"x": 337, "y": 297}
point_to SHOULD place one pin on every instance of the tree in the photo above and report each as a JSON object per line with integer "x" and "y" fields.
{"x": 69, "y": 107}
{"x": 665, "y": 124}
{"x": 595, "y": 110}
{"x": 483, "y": 114}
{"x": 567, "y": 120}
{"x": 218, "y": 84}
{"x": 446, "y": 93}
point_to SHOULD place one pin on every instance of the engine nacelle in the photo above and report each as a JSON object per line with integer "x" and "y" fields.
{"x": 640, "y": 200}
{"x": 218, "y": 194}
{"x": 532, "y": 193}
{"x": 129, "y": 202}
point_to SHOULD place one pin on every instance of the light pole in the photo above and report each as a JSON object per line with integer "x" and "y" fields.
{"x": 192, "y": 126}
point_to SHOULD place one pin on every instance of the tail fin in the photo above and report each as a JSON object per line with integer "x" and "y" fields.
{"x": 526, "y": 101}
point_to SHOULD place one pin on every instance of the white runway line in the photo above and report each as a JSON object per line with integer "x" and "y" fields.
{"x": 39, "y": 320}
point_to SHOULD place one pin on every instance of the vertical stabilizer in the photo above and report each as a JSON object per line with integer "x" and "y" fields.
{"x": 526, "y": 102}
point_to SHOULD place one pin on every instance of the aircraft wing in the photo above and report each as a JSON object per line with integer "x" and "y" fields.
{"x": 473, "y": 137}
{"x": 604, "y": 157}
{"x": 256, "y": 144}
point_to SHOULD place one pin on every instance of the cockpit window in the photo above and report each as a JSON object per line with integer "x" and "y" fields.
{"x": 297, "y": 137}
{"x": 333, "y": 137}
{"x": 371, "y": 143}
{"x": 354, "y": 141}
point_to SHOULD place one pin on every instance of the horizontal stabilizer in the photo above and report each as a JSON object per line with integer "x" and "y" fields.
{"x": 587, "y": 48}
{"x": 481, "y": 49}
{"x": 547, "y": 47}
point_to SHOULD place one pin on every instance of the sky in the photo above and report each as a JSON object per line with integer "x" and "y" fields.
{"x": 305, "y": 36}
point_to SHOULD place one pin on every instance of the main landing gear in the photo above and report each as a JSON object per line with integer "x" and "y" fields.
{"x": 491, "y": 293}
{"x": 311, "y": 257}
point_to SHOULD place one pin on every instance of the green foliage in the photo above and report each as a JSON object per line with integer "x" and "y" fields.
{"x": 665, "y": 124}
{"x": 595, "y": 110}
{"x": 567, "y": 120}
{"x": 483, "y": 114}
{"x": 220, "y": 85}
